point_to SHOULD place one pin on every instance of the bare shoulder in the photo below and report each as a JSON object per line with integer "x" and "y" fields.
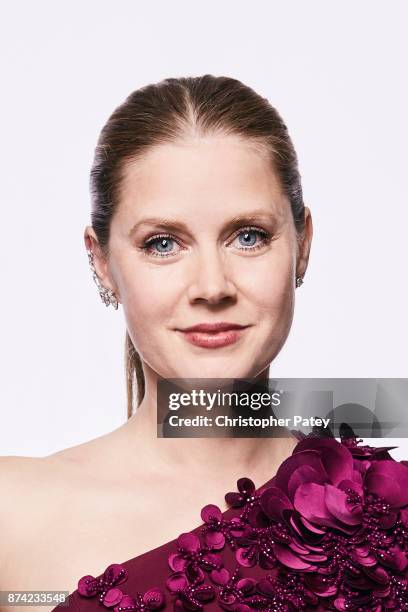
{"x": 35, "y": 493}
{"x": 26, "y": 486}
{"x": 22, "y": 481}
{"x": 32, "y": 489}
{"x": 17, "y": 475}
{"x": 30, "y": 480}
{"x": 18, "y": 472}
{"x": 37, "y": 490}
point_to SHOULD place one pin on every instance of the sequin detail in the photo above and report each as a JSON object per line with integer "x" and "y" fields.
{"x": 329, "y": 532}
{"x": 112, "y": 597}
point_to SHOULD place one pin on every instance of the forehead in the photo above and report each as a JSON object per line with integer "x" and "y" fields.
{"x": 212, "y": 175}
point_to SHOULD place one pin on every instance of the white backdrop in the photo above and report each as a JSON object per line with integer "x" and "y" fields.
{"x": 336, "y": 71}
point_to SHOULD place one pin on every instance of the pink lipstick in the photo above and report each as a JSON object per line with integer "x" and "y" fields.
{"x": 213, "y": 335}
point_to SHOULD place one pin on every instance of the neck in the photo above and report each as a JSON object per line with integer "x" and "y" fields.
{"x": 202, "y": 456}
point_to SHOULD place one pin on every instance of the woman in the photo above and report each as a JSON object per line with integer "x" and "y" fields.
{"x": 198, "y": 220}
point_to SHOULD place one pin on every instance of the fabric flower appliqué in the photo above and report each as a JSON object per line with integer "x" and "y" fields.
{"x": 330, "y": 530}
{"x": 113, "y": 597}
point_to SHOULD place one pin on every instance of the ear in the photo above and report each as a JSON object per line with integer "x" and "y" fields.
{"x": 99, "y": 259}
{"x": 304, "y": 244}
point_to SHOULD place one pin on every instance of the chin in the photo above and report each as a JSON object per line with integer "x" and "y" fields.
{"x": 220, "y": 369}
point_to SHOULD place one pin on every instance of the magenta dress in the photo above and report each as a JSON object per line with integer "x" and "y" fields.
{"x": 328, "y": 532}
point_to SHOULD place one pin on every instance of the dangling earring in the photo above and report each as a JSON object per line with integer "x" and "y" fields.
{"x": 299, "y": 281}
{"x": 107, "y": 295}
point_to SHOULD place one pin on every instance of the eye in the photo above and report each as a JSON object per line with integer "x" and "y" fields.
{"x": 163, "y": 243}
{"x": 247, "y": 238}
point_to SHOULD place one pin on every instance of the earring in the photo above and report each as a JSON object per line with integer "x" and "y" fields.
{"x": 107, "y": 295}
{"x": 299, "y": 281}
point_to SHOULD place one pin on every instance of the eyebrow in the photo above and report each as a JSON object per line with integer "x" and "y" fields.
{"x": 174, "y": 224}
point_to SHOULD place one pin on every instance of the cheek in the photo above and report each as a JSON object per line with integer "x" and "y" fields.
{"x": 270, "y": 283}
{"x": 146, "y": 300}
{"x": 274, "y": 306}
{"x": 148, "y": 297}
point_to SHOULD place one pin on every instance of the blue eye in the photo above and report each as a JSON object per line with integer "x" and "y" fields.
{"x": 246, "y": 235}
{"x": 161, "y": 245}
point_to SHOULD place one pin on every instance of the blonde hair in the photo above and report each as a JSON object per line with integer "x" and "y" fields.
{"x": 134, "y": 375}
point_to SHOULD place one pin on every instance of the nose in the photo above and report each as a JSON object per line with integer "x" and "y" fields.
{"x": 210, "y": 279}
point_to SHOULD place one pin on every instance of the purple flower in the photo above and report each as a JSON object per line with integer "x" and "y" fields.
{"x": 331, "y": 527}
{"x": 233, "y": 589}
{"x": 246, "y": 488}
{"x": 286, "y": 591}
{"x": 346, "y": 519}
{"x": 153, "y": 599}
{"x": 217, "y": 530}
{"x": 192, "y": 558}
{"x": 189, "y": 596}
{"x": 113, "y": 597}
{"x": 360, "y": 451}
{"x": 213, "y": 532}
{"x": 88, "y": 586}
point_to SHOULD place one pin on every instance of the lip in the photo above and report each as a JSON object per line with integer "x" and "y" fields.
{"x": 212, "y": 327}
{"x": 213, "y": 335}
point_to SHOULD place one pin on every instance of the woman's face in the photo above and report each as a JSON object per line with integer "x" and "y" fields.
{"x": 203, "y": 234}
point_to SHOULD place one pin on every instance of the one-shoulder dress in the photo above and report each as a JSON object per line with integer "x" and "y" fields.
{"x": 329, "y": 531}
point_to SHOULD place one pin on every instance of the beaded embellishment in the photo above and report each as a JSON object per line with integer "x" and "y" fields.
{"x": 329, "y": 531}
{"x": 112, "y": 597}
